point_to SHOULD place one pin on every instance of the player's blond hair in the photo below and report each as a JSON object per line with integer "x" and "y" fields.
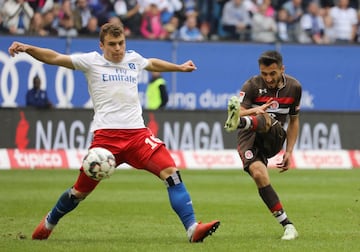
{"x": 113, "y": 29}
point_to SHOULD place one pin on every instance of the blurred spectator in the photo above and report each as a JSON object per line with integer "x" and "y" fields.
{"x": 143, "y": 4}
{"x": 151, "y": 25}
{"x": 36, "y": 97}
{"x": 117, "y": 20}
{"x": 358, "y": 28}
{"x": 17, "y": 16}
{"x": 2, "y": 28}
{"x": 282, "y": 25}
{"x": 92, "y": 28}
{"x": 129, "y": 13}
{"x": 1, "y": 16}
{"x": 312, "y": 27}
{"x": 41, "y": 22}
{"x": 66, "y": 26}
{"x": 102, "y": 9}
{"x": 295, "y": 11}
{"x": 41, "y": 6}
{"x": 236, "y": 20}
{"x": 264, "y": 27}
{"x": 189, "y": 31}
{"x": 169, "y": 8}
{"x": 189, "y": 6}
{"x": 156, "y": 93}
{"x": 82, "y": 15}
{"x": 209, "y": 17}
{"x": 205, "y": 32}
{"x": 172, "y": 28}
{"x": 270, "y": 11}
{"x": 344, "y": 22}
{"x": 50, "y": 20}
{"x": 37, "y": 26}
{"x": 251, "y": 6}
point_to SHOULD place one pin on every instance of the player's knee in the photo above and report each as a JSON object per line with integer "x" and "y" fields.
{"x": 165, "y": 173}
{"x": 259, "y": 173}
{"x": 264, "y": 122}
{"x": 173, "y": 179}
{"x": 78, "y": 195}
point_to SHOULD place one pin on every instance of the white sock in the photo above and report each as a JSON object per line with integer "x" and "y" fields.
{"x": 191, "y": 230}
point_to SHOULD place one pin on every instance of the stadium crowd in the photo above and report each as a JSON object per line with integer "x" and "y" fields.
{"x": 262, "y": 21}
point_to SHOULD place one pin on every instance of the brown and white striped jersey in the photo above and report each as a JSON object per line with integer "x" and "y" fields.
{"x": 286, "y": 100}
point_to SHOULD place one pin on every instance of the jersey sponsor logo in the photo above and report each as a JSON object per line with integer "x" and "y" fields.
{"x": 262, "y": 91}
{"x": 118, "y": 78}
{"x": 37, "y": 158}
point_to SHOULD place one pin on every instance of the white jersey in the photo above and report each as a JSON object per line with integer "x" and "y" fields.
{"x": 113, "y": 88}
{"x": 343, "y": 22}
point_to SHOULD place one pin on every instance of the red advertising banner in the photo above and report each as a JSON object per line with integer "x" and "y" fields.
{"x": 37, "y": 159}
{"x": 201, "y": 160}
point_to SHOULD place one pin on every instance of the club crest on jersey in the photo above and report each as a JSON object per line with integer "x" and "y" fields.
{"x": 262, "y": 91}
{"x": 249, "y": 154}
{"x": 274, "y": 105}
{"x": 132, "y": 66}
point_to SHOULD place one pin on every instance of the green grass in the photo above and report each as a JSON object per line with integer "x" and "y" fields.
{"x": 130, "y": 212}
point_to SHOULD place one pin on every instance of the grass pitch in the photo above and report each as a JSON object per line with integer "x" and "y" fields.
{"x": 130, "y": 212}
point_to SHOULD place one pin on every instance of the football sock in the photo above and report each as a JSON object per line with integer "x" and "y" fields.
{"x": 66, "y": 203}
{"x": 180, "y": 200}
{"x": 245, "y": 122}
{"x": 272, "y": 201}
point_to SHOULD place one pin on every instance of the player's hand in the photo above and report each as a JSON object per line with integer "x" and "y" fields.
{"x": 188, "y": 66}
{"x": 262, "y": 109}
{"x": 284, "y": 165}
{"x": 16, "y": 48}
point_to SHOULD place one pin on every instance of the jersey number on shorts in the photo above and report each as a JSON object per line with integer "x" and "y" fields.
{"x": 153, "y": 141}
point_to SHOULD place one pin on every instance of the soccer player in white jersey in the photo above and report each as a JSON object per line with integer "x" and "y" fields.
{"x": 118, "y": 124}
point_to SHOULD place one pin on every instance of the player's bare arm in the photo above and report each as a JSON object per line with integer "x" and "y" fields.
{"x": 44, "y": 55}
{"x": 257, "y": 110}
{"x": 292, "y": 134}
{"x": 158, "y": 65}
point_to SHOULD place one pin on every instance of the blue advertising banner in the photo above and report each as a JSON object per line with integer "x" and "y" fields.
{"x": 329, "y": 74}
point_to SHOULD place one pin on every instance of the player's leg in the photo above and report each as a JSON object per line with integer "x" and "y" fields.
{"x": 260, "y": 123}
{"x": 67, "y": 202}
{"x": 251, "y": 151}
{"x": 162, "y": 165}
{"x": 233, "y": 118}
{"x": 259, "y": 173}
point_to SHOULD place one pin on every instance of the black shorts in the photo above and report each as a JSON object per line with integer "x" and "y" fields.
{"x": 255, "y": 146}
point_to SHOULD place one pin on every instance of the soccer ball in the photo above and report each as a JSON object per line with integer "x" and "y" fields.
{"x": 99, "y": 163}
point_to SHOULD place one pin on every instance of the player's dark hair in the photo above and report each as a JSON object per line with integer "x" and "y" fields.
{"x": 114, "y": 30}
{"x": 270, "y": 57}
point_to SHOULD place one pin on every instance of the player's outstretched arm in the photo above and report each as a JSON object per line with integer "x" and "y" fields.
{"x": 44, "y": 55}
{"x": 158, "y": 65}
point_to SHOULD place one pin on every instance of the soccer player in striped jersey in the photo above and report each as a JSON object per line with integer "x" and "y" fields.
{"x": 259, "y": 114}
